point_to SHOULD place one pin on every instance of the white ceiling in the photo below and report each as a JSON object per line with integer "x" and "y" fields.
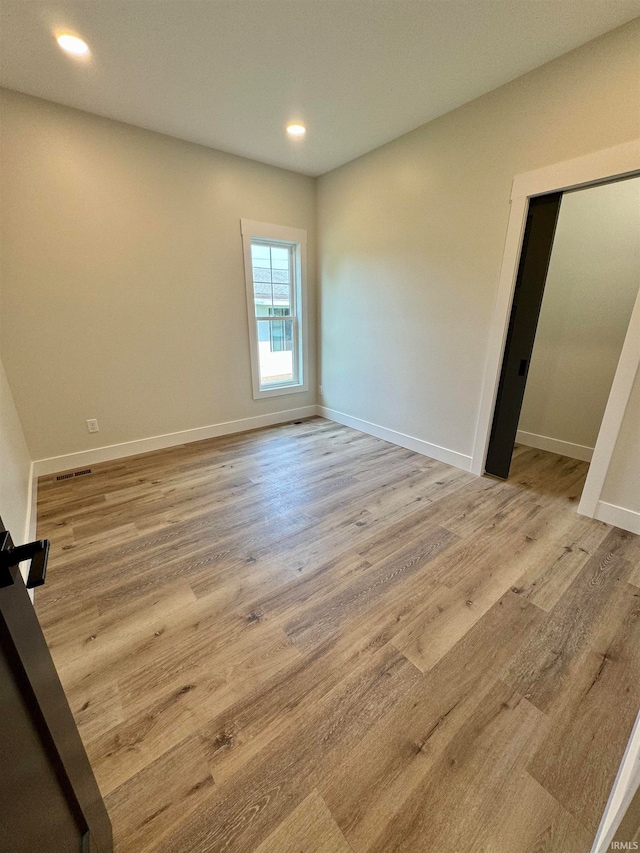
{"x": 231, "y": 73}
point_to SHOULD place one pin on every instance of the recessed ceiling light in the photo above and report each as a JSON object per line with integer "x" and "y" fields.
{"x": 296, "y": 129}
{"x": 73, "y": 44}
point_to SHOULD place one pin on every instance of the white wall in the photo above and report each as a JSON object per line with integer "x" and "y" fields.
{"x": 15, "y": 464}
{"x": 121, "y": 257}
{"x": 591, "y": 288}
{"x": 123, "y": 281}
{"x": 412, "y": 235}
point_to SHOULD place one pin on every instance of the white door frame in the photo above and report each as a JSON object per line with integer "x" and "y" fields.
{"x": 599, "y": 167}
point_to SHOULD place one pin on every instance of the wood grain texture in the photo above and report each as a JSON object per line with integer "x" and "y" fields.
{"x": 307, "y": 639}
{"x": 309, "y": 829}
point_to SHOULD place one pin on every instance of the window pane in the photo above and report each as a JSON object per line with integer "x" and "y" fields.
{"x": 282, "y": 297}
{"x": 275, "y": 345}
{"x": 280, "y": 256}
{"x": 280, "y": 264}
{"x": 263, "y": 296}
{"x": 261, "y": 273}
{"x": 260, "y": 255}
{"x": 271, "y": 276}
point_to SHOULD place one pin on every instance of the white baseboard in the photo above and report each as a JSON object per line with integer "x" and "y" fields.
{"x": 619, "y": 516}
{"x": 434, "y": 451}
{"x": 555, "y": 445}
{"x": 627, "y": 519}
{"x": 55, "y": 464}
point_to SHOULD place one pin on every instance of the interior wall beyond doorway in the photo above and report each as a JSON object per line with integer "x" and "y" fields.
{"x": 591, "y": 287}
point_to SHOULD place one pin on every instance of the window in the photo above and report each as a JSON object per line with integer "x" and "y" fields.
{"x": 275, "y": 273}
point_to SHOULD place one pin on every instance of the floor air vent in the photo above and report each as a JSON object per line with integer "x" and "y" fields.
{"x": 71, "y": 474}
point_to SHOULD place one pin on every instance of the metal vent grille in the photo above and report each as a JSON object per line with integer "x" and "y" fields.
{"x": 71, "y": 474}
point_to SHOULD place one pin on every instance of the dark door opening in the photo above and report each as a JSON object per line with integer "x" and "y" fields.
{"x": 537, "y": 244}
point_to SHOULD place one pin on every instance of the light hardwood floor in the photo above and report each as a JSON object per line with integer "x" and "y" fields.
{"x": 307, "y": 639}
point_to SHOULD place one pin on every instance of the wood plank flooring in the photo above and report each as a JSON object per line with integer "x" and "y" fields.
{"x": 307, "y": 639}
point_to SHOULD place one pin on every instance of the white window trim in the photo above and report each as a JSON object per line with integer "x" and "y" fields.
{"x": 277, "y": 233}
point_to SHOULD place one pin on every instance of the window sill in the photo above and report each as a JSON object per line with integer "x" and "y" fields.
{"x": 278, "y": 391}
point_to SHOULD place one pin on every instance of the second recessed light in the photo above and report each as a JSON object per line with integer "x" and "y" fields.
{"x": 296, "y": 129}
{"x": 73, "y": 44}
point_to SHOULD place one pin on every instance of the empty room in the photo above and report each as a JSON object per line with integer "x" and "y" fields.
{"x": 319, "y": 426}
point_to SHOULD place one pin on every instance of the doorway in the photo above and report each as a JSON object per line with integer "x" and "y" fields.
{"x": 577, "y": 283}
{"x": 588, "y": 170}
